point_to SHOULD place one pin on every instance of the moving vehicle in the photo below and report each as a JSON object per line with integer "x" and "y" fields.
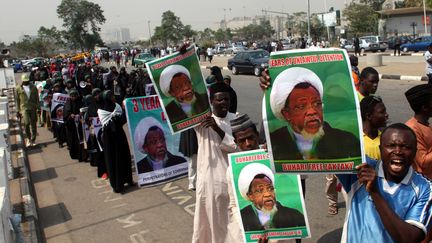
{"x": 143, "y": 58}
{"x": 418, "y": 44}
{"x": 249, "y": 62}
{"x": 234, "y": 49}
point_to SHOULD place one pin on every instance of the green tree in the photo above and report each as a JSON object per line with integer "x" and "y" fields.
{"x": 188, "y": 32}
{"x": 170, "y": 30}
{"x": 253, "y": 32}
{"x": 81, "y": 20}
{"x": 361, "y": 18}
{"x": 221, "y": 35}
{"x": 374, "y": 4}
{"x": 413, "y": 3}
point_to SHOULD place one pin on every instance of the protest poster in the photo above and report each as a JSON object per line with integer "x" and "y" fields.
{"x": 57, "y": 105}
{"x": 44, "y": 97}
{"x": 311, "y": 113}
{"x": 277, "y": 198}
{"x": 156, "y": 150}
{"x": 180, "y": 85}
{"x": 97, "y": 129}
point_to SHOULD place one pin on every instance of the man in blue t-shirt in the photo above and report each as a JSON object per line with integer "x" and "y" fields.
{"x": 387, "y": 200}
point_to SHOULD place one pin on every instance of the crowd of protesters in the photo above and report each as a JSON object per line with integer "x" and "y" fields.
{"x": 94, "y": 91}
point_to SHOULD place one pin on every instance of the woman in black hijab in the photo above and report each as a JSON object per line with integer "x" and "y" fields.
{"x": 70, "y": 113}
{"x": 115, "y": 144}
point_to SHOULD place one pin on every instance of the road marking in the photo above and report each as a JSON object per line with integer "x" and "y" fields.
{"x": 172, "y": 192}
{"x": 99, "y": 183}
{"x": 167, "y": 187}
{"x": 120, "y": 205}
{"x": 129, "y": 221}
{"x": 139, "y": 237}
{"x": 183, "y": 200}
{"x": 189, "y": 209}
{"x": 108, "y": 199}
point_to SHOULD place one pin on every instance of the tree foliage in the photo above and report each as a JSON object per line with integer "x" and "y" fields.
{"x": 376, "y": 5}
{"x": 171, "y": 29}
{"x": 361, "y": 18}
{"x": 221, "y": 35}
{"x": 253, "y": 32}
{"x": 81, "y": 20}
{"x": 412, "y": 3}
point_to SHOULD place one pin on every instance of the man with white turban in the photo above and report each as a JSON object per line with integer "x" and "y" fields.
{"x": 256, "y": 184}
{"x": 296, "y": 98}
{"x": 150, "y": 140}
{"x": 175, "y": 81}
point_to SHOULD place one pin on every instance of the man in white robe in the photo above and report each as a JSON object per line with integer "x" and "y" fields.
{"x": 214, "y": 143}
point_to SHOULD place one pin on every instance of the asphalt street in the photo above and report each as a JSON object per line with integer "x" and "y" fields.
{"x": 75, "y": 206}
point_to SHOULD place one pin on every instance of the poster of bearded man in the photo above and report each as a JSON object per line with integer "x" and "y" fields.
{"x": 266, "y": 203}
{"x": 311, "y": 113}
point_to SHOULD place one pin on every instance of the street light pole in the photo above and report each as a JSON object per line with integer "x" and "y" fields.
{"x": 308, "y": 20}
{"x": 151, "y": 42}
{"x": 424, "y": 17}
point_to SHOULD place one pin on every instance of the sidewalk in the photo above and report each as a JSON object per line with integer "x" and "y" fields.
{"x": 389, "y": 70}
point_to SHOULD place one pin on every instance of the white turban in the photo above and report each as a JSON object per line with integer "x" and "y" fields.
{"x": 247, "y": 175}
{"x": 284, "y": 84}
{"x": 141, "y": 131}
{"x": 167, "y": 75}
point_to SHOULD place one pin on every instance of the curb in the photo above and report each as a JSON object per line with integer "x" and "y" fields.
{"x": 403, "y": 77}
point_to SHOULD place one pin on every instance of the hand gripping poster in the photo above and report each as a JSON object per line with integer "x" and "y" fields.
{"x": 267, "y": 203}
{"x": 57, "y": 106}
{"x": 180, "y": 86}
{"x": 311, "y": 113}
{"x": 156, "y": 150}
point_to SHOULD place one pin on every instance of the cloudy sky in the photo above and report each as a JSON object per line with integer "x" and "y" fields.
{"x": 16, "y": 20}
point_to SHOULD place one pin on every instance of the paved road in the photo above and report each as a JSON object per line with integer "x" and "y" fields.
{"x": 75, "y": 206}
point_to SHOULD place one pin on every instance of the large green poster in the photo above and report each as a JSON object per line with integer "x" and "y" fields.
{"x": 311, "y": 113}
{"x": 269, "y": 204}
{"x": 180, "y": 86}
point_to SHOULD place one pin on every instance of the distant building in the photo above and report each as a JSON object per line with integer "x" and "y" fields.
{"x": 404, "y": 21}
{"x": 116, "y": 35}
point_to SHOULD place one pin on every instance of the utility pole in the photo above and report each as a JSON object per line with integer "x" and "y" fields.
{"x": 225, "y": 22}
{"x": 277, "y": 12}
{"x": 308, "y": 20}
{"x": 151, "y": 42}
{"x": 424, "y": 17}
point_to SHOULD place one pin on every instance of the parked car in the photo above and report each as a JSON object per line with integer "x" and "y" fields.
{"x": 17, "y": 66}
{"x": 373, "y": 43}
{"x": 234, "y": 49}
{"x": 143, "y": 58}
{"x": 419, "y": 44}
{"x": 287, "y": 45}
{"x": 253, "y": 61}
{"x": 391, "y": 40}
{"x": 349, "y": 46}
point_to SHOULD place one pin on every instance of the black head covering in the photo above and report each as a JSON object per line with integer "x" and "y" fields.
{"x": 419, "y": 95}
{"x": 109, "y": 104}
{"x": 215, "y": 70}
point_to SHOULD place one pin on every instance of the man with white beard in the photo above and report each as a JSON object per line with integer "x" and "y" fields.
{"x": 256, "y": 184}
{"x": 296, "y": 98}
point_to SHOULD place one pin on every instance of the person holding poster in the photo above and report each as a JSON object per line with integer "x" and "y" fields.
{"x": 388, "y": 200}
{"x": 256, "y": 184}
{"x": 175, "y": 81}
{"x": 71, "y": 111}
{"x": 57, "y": 105}
{"x": 296, "y": 98}
{"x": 214, "y": 143}
{"x": 115, "y": 145}
{"x": 150, "y": 139}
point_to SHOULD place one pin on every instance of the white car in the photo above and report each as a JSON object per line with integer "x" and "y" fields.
{"x": 373, "y": 43}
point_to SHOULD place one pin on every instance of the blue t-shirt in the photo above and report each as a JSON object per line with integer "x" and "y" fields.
{"x": 410, "y": 200}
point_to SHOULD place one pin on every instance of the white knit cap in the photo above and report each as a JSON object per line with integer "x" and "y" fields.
{"x": 167, "y": 75}
{"x": 284, "y": 84}
{"x": 141, "y": 131}
{"x": 247, "y": 175}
